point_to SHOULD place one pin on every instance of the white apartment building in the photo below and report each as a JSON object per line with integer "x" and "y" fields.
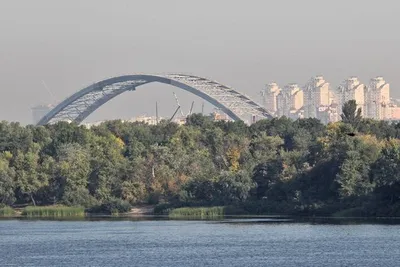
{"x": 377, "y": 99}
{"x": 316, "y": 96}
{"x": 269, "y": 97}
{"x": 290, "y": 101}
{"x": 351, "y": 89}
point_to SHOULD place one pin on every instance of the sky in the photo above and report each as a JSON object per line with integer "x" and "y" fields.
{"x": 51, "y": 49}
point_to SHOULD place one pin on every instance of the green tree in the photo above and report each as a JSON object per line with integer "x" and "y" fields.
{"x": 7, "y": 176}
{"x": 352, "y": 178}
{"x": 72, "y": 172}
{"x": 266, "y": 176}
{"x": 351, "y": 114}
{"x": 234, "y": 187}
{"x": 29, "y": 179}
{"x": 385, "y": 172}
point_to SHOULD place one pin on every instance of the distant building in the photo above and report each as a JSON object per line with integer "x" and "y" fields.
{"x": 351, "y": 89}
{"x": 317, "y": 100}
{"x": 316, "y": 96}
{"x": 328, "y": 113}
{"x": 151, "y": 120}
{"x": 290, "y": 101}
{"x": 40, "y": 111}
{"x": 269, "y": 97}
{"x": 377, "y": 99}
{"x": 394, "y": 111}
{"x": 217, "y": 116}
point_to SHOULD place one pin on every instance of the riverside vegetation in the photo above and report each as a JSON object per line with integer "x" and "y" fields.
{"x": 302, "y": 167}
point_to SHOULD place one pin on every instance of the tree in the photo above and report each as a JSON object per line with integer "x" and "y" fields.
{"x": 265, "y": 176}
{"x": 72, "y": 173}
{"x": 351, "y": 114}
{"x": 7, "y": 184}
{"x": 353, "y": 176}
{"x": 264, "y": 148}
{"x": 107, "y": 166}
{"x": 385, "y": 172}
{"x": 200, "y": 121}
{"x": 234, "y": 187}
{"x": 29, "y": 179}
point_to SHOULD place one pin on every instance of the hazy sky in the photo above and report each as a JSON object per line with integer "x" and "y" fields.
{"x": 244, "y": 44}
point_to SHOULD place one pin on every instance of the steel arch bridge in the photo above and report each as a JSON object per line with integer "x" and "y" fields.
{"x": 81, "y": 104}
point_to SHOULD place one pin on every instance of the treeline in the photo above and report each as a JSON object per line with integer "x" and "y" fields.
{"x": 273, "y": 166}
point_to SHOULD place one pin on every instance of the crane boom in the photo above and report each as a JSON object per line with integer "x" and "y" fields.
{"x": 173, "y": 116}
{"x": 191, "y": 109}
{"x": 177, "y": 102}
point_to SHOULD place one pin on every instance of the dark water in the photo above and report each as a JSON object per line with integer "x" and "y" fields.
{"x": 196, "y": 243}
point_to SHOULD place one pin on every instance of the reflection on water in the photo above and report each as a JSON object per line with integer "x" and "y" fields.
{"x": 230, "y": 242}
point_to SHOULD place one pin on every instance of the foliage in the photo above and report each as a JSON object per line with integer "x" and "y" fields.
{"x": 351, "y": 114}
{"x": 273, "y": 166}
{"x": 113, "y": 206}
{"x": 53, "y": 211}
{"x": 197, "y": 213}
{"x": 6, "y": 211}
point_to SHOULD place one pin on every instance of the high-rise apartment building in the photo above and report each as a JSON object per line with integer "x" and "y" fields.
{"x": 316, "y": 96}
{"x": 317, "y": 100}
{"x": 290, "y": 101}
{"x": 269, "y": 95}
{"x": 377, "y": 99}
{"x": 351, "y": 89}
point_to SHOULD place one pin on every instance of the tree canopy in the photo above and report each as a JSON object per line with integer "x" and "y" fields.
{"x": 277, "y": 165}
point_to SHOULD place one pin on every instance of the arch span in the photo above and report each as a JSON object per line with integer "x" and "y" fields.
{"x": 84, "y": 102}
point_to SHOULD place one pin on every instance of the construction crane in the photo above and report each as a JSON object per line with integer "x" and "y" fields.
{"x": 177, "y": 102}
{"x": 191, "y": 109}
{"x": 173, "y": 116}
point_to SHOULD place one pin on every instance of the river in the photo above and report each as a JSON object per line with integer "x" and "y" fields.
{"x": 196, "y": 243}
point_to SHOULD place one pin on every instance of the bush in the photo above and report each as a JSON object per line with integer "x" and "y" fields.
{"x": 163, "y": 209}
{"x": 113, "y": 206}
{"x": 6, "y": 211}
{"x": 80, "y": 197}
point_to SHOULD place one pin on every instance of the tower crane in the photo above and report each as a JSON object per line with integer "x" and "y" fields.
{"x": 177, "y": 102}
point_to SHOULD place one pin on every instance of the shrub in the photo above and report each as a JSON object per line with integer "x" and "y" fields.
{"x": 163, "y": 209}
{"x": 113, "y": 206}
{"x": 80, "y": 197}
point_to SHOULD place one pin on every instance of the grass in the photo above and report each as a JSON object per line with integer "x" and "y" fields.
{"x": 7, "y": 212}
{"x": 197, "y": 213}
{"x": 53, "y": 211}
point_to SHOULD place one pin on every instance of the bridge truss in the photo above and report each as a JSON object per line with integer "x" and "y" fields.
{"x": 81, "y": 104}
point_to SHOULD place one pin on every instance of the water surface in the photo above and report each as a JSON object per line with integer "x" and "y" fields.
{"x": 196, "y": 243}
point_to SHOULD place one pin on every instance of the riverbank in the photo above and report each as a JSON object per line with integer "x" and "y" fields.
{"x": 43, "y": 212}
{"x": 170, "y": 212}
{"x": 59, "y": 211}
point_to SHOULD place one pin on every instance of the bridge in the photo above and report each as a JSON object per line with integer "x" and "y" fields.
{"x": 80, "y": 105}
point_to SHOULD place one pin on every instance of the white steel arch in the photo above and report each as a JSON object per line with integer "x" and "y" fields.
{"x": 81, "y": 104}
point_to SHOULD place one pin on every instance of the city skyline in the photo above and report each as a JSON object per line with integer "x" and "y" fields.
{"x": 318, "y": 99}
